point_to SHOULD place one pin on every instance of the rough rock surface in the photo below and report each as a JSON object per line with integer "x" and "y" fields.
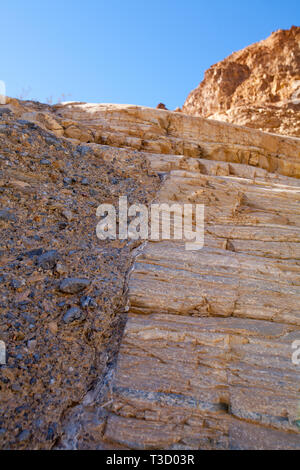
{"x": 61, "y": 332}
{"x": 257, "y": 87}
{"x": 205, "y": 360}
{"x": 209, "y": 332}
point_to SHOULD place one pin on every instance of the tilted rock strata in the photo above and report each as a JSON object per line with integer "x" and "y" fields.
{"x": 209, "y": 332}
{"x": 205, "y": 360}
{"x": 258, "y": 87}
{"x": 163, "y": 132}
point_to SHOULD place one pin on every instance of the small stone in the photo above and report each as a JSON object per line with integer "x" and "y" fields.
{"x": 85, "y": 181}
{"x": 17, "y": 283}
{"x": 67, "y": 180}
{"x": 24, "y": 435}
{"x": 45, "y": 161}
{"x": 62, "y": 225}
{"x": 48, "y": 259}
{"x": 68, "y": 214}
{"x": 31, "y": 344}
{"x": 161, "y": 106}
{"x": 52, "y": 325}
{"x": 24, "y": 122}
{"x": 74, "y": 313}
{"x": 72, "y": 285}
{"x": 61, "y": 269}
{"x": 7, "y": 215}
{"x": 85, "y": 301}
{"x": 33, "y": 253}
{"x": 83, "y": 149}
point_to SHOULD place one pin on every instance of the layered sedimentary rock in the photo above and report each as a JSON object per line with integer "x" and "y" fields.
{"x": 258, "y": 87}
{"x": 160, "y": 132}
{"x": 205, "y": 359}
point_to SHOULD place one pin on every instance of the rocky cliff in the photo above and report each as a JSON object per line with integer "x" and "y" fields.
{"x": 257, "y": 87}
{"x": 205, "y": 358}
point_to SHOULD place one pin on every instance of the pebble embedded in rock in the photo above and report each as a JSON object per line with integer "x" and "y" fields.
{"x": 45, "y": 161}
{"x": 72, "y": 285}
{"x": 83, "y": 150}
{"x": 32, "y": 253}
{"x": 31, "y": 344}
{"x": 67, "y": 180}
{"x": 85, "y": 301}
{"x": 17, "y": 283}
{"x": 24, "y": 435}
{"x": 68, "y": 215}
{"x": 7, "y": 215}
{"x": 61, "y": 269}
{"x": 48, "y": 259}
{"x": 74, "y": 313}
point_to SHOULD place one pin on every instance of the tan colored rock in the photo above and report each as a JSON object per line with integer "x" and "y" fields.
{"x": 161, "y": 132}
{"x": 161, "y": 106}
{"x": 257, "y": 87}
{"x": 209, "y": 332}
{"x": 45, "y": 120}
{"x": 205, "y": 359}
{"x": 78, "y": 133}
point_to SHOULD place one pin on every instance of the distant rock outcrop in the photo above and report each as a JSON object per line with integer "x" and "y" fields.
{"x": 161, "y": 106}
{"x": 257, "y": 87}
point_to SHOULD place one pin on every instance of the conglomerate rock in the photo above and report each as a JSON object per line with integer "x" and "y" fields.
{"x": 205, "y": 359}
{"x": 60, "y": 331}
{"x": 257, "y": 87}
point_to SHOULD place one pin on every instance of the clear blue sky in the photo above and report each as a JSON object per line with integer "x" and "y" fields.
{"x": 127, "y": 51}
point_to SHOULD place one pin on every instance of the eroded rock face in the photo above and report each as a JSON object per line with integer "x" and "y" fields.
{"x": 205, "y": 360}
{"x": 209, "y": 332}
{"x": 63, "y": 292}
{"x": 257, "y": 87}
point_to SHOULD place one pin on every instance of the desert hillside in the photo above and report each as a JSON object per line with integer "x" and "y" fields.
{"x": 257, "y": 87}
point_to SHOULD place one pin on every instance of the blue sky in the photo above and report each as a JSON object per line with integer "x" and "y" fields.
{"x": 140, "y": 52}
